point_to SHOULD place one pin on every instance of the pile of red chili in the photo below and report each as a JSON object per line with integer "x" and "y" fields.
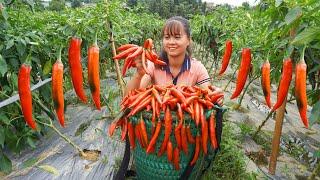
{"x": 184, "y": 101}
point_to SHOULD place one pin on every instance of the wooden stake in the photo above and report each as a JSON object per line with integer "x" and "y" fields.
{"x": 119, "y": 76}
{"x": 276, "y": 137}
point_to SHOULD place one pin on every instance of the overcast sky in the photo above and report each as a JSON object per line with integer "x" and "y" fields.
{"x": 232, "y": 2}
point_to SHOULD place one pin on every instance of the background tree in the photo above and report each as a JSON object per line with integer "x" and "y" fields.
{"x": 57, "y": 5}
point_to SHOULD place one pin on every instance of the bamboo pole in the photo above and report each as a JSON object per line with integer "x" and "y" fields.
{"x": 119, "y": 76}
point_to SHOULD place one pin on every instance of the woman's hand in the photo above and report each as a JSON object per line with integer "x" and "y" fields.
{"x": 139, "y": 66}
{"x": 215, "y": 90}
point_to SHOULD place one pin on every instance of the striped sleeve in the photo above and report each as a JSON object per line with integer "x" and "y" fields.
{"x": 202, "y": 74}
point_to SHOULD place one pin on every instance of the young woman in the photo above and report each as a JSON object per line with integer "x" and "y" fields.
{"x": 181, "y": 68}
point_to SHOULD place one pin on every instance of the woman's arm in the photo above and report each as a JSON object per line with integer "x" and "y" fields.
{"x": 133, "y": 83}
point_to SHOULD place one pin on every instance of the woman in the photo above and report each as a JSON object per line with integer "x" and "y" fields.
{"x": 181, "y": 68}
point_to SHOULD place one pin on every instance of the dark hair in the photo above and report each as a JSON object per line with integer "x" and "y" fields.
{"x": 172, "y": 26}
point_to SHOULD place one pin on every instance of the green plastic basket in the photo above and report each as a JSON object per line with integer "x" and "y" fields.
{"x": 150, "y": 166}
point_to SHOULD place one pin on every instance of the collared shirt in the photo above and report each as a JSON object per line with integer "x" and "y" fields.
{"x": 192, "y": 73}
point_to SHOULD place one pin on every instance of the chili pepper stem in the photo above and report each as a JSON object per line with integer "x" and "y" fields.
{"x": 59, "y": 54}
{"x": 245, "y": 90}
{"x": 234, "y": 73}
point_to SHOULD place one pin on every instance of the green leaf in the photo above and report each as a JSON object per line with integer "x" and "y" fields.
{"x": 278, "y": 3}
{"x": 30, "y": 142}
{"x": 4, "y": 119}
{"x": 49, "y": 169}
{"x": 2, "y": 135}
{"x": 21, "y": 48}
{"x": 10, "y": 44}
{"x": 5, "y": 164}
{"x": 317, "y": 154}
{"x": 306, "y": 36}
{"x": 293, "y": 14}
{"x": 315, "y": 114}
{"x": 30, "y": 162}
{"x": 47, "y": 67}
{"x": 3, "y": 66}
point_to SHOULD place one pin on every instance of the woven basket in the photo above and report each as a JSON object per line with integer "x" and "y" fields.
{"x": 150, "y": 166}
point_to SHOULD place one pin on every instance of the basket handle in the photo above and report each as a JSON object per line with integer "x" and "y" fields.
{"x": 125, "y": 162}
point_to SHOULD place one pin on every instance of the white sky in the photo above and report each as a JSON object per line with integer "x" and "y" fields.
{"x": 232, "y": 2}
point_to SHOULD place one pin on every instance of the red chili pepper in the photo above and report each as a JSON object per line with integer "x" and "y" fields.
{"x": 148, "y": 44}
{"x": 136, "y": 53}
{"x": 76, "y": 68}
{"x": 179, "y": 115}
{"x": 126, "y": 52}
{"x": 126, "y": 46}
{"x": 175, "y": 92}
{"x": 143, "y": 132}
{"x": 177, "y": 135}
{"x": 176, "y": 158}
{"x": 142, "y": 96}
{"x": 189, "y": 136}
{"x": 93, "y": 74}
{"x": 156, "y": 95}
{"x": 265, "y": 82}
{"x": 226, "y": 57}
{"x": 127, "y": 63}
{"x": 196, "y": 107}
{"x": 301, "y": 90}
{"x": 131, "y": 135}
{"x": 124, "y": 129}
{"x": 154, "y": 138}
{"x": 243, "y": 72}
{"x": 212, "y": 129}
{"x": 140, "y": 106}
{"x": 153, "y": 106}
{"x": 196, "y": 151}
{"x": 167, "y": 130}
{"x": 284, "y": 83}
{"x": 57, "y": 89}
{"x": 169, "y": 151}
{"x": 184, "y": 140}
{"x": 114, "y": 125}
{"x": 138, "y": 135}
{"x": 204, "y": 133}
{"x": 25, "y": 94}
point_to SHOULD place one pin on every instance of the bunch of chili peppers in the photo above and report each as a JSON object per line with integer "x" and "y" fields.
{"x": 130, "y": 52}
{"x": 193, "y": 101}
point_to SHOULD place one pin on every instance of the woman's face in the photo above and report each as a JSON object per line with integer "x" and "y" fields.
{"x": 175, "y": 41}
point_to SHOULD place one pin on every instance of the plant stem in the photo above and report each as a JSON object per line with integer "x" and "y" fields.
{"x": 68, "y": 140}
{"x": 52, "y": 117}
{"x": 262, "y": 124}
{"x": 110, "y": 109}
